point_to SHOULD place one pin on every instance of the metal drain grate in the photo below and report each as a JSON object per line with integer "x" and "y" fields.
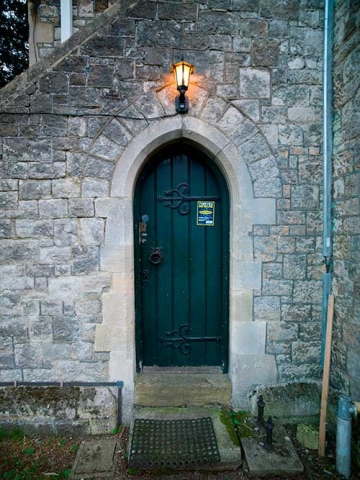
{"x": 173, "y": 444}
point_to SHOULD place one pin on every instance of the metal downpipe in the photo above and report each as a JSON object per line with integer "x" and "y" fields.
{"x": 327, "y": 160}
{"x": 346, "y": 410}
{"x": 66, "y": 21}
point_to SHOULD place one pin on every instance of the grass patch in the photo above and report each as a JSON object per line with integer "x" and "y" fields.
{"x": 243, "y": 425}
{"x": 16, "y": 434}
{"x": 132, "y": 471}
{"x": 238, "y": 424}
{"x": 226, "y": 419}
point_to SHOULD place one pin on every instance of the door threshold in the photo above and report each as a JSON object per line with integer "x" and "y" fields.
{"x": 182, "y": 370}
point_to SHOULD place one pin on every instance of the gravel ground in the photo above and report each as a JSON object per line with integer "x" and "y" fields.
{"x": 22, "y": 458}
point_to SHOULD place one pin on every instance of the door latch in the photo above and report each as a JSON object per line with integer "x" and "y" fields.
{"x": 142, "y": 232}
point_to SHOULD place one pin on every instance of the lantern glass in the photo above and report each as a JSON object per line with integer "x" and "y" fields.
{"x": 182, "y": 71}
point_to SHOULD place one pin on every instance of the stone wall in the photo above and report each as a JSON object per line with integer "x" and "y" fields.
{"x": 45, "y": 23}
{"x": 66, "y": 301}
{"x": 67, "y": 410}
{"x": 346, "y": 284}
{"x": 289, "y": 403}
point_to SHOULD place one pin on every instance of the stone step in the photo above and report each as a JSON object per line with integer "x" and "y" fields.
{"x": 162, "y": 389}
{"x": 230, "y": 452}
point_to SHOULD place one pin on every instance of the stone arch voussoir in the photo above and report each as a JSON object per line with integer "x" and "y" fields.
{"x": 152, "y": 107}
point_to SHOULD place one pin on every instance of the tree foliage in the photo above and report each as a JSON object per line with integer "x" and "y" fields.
{"x": 14, "y": 34}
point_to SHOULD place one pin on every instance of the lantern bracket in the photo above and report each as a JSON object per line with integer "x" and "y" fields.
{"x": 181, "y": 102}
{"x": 182, "y": 71}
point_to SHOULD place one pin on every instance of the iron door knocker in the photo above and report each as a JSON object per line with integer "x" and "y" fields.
{"x": 156, "y": 256}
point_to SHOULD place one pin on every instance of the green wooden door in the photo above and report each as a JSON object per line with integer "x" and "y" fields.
{"x": 181, "y": 261}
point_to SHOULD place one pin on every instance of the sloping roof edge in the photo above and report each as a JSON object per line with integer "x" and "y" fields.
{"x": 18, "y": 86}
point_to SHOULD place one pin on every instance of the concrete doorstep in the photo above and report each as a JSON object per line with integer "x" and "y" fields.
{"x": 230, "y": 453}
{"x": 165, "y": 389}
{"x": 280, "y": 459}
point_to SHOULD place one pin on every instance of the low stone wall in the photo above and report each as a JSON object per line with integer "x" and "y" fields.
{"x": 289, "y": 402}
{"x": 64, "y": 410}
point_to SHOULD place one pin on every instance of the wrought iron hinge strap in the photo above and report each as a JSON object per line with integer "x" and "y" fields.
{"x": 179, "y": 339}
{"x": 190, "y": 339}
{"x": 178, "y": 198}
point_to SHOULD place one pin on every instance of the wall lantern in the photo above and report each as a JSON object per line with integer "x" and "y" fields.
{"x": 182, "y": 71}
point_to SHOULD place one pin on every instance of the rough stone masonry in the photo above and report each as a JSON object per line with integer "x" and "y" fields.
{"x": 346, "y": 187}
{"x": 77, "y": 116}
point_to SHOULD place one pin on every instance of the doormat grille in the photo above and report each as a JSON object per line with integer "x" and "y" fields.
{"x": 173, "y": 444}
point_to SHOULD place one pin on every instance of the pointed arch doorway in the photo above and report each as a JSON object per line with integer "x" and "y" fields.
{"x": 181, "y": 224}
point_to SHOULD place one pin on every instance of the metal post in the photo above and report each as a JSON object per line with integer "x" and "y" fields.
{"x": 261, "y": 405}
{"x": 269, "y": 426}
{"x": 343, "y": 435}
{"x": 119, "y": 412}
{"x": 327, "y": 159}
{"x": 327, "y": 126}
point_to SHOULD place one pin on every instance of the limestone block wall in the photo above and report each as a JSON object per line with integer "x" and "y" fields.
{"x": 45, "y": 23}
{"x": 346, "y": 354}
{"x": 77, "y": 128}
{"x": 67, "y": 410}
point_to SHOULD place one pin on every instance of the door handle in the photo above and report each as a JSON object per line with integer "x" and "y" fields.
{"x": 156, "y": 256}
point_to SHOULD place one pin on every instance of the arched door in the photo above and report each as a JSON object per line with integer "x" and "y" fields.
{"x": 181, "y": 261}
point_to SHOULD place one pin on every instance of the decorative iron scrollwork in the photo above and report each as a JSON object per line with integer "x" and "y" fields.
{"x": 178, "y": 198}
{"x": 180, "y": 339}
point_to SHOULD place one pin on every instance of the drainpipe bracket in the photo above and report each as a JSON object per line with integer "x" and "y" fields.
{"x": 353, "y": 410}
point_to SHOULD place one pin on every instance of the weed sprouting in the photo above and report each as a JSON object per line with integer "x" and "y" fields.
{"x": 65, "y": 473}
{"x": 28, "y": 451}
{"x": 74, "y": 448}
{"x": 117, "y": 430}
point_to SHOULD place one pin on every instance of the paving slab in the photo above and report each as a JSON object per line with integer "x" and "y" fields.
{"x": 96, "y": 458}
{"x": 230, "y": 453}
{"x": 282, "y": 459}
